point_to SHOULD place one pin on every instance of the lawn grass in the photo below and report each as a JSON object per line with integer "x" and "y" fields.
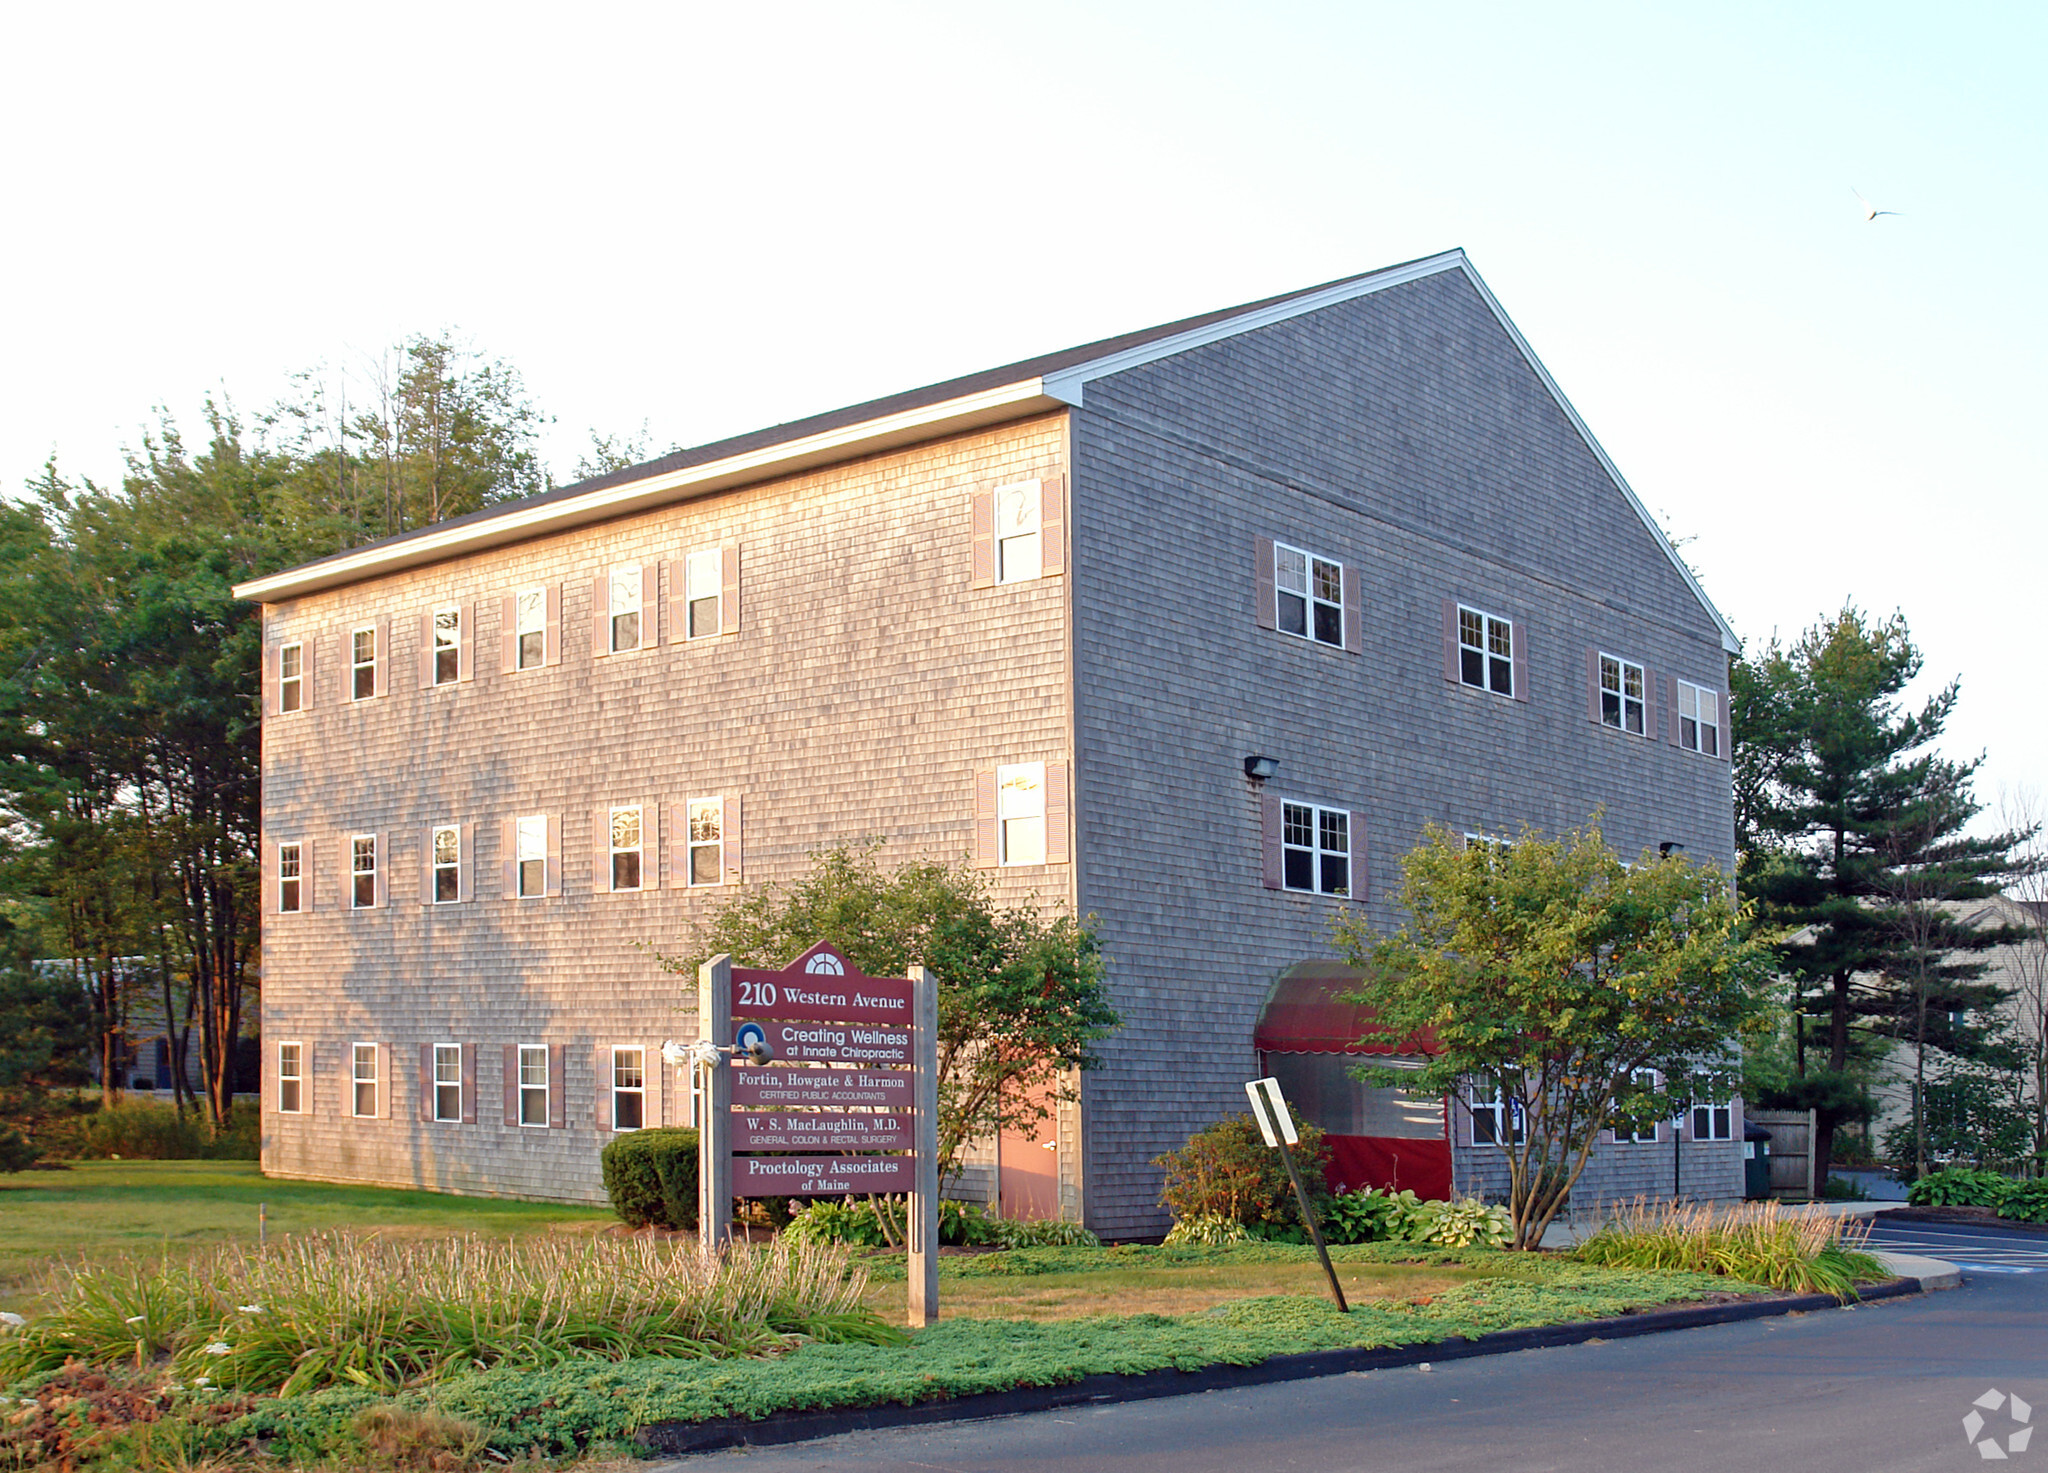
{"x": 102, "y": 1208}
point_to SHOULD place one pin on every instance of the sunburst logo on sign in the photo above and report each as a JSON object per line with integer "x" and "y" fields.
{"x": 1984, "y": 1437}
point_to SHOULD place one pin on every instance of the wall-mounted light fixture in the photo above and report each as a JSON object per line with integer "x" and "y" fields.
{"x": 1670, "y": 847}
{"x": 1258, "y": 769}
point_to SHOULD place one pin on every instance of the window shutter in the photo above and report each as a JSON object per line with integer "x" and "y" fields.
{"x": 345, "y": 877}
{"x": 1653, "y": 705}
{"x": 551, "y": 641}
{"x": 508, "y": 634}
{"x": 426, "y": 866}
{"x": 1058, "y": 812}
{"x": 986, "y": 852}
{"x": 603, "y": 1070}
{"x": 1593, "y": 685}
{"x": 270, "y": 894}
{"x": 601, "y": 852}
{"x": 679, "y": 846}
{"x": 981, "y": 529}
{"x": 383, "y": 842}
{"x": 1520, "y": 634}
{"x": 469, "y": 1084}
{"x": 273, "y": 680}
{"x": 426, "y": 651}
{"x": 554, "y": 884}
{"x": 426, "y": 1083}
{"x": 465, "y": 854}
{"x": 307, "y": 894}
{"x": 1671, "y": 731}
{"x": 308, "y": 1075}
{"x": 558, "y": 1104}
{"x": 601, "y": 617}
{"x": 1354, "y": 618}
{"x": 1271, "y": 858}
{"x": 465, "y": 639}
{"x": 508, "y": 858}
{"x": 650, "y": 844}
{"x": 382, "y": 676}
{"x": 1361, "y": 859}
{"x": 1727, "y": 729}
{"x": 1052, "y": 526}
{"x": 1263, "y": 612}
{"x": 511, "y": 1083}
{"x": 729, "y": 589}
{"x": 650, "y": 604}
{"x": 735, "y": 831}
{"x": 1451, "y": 640}
{"x": 384, "y": 1081}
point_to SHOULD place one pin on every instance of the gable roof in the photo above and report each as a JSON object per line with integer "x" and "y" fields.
{"x": 993, "y": 396}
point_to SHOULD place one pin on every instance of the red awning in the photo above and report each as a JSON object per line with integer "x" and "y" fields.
{"x": 1306, "y": 1013}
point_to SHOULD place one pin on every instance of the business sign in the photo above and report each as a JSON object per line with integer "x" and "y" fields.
{"x": 820, "y": 1130}
{"x": 835, "y": 1088}
{"x": 837, "y": 1043}
{"x": 821, "y": 1176}
{"x": 821, "y": 986}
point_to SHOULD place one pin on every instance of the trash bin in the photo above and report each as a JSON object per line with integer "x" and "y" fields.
{"x": 1756, "y": 1161}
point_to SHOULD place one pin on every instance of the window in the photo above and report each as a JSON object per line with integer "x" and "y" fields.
{"x": 447, "y": 861}
{"x": 624, "y": 606}
{"x": 1018, "y": 544}
{"x": 1309, "y": 591}
{"x": 1493, "y": 1117}
{"x": 533, "y": 1084}
{"x": 1486, "y": 651}
{"x": 365, "y": 1075}
{"x": 626, "y": 848}
{"x": 1315, "y": 849}
{"x": 1632, "y": 1125}
{"x": 291, "y": 678}
{"x": 291, "y": 1078}
{"x": 447, "y": 646}
{"x": 707, "y": 840}
{"x": 363, "y": 663}
{"x": 289, "y": 897}
{"x": 1699, "y": 719}
{"x": 530, "y": 628}
{"x": 703, "y": 592}
{"x": 629, "y": 1088}
{"x": 1621, "y": 694}
{"x": 363, "y": 871}
{"x": 1712, "y": 1122}
{"x": 448, "y": 1082}
{"x": 1020, "y": 812}
{"x": 530, "y": 853}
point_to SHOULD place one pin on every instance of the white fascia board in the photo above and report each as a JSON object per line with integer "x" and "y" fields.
{"x": 972, "y": 411}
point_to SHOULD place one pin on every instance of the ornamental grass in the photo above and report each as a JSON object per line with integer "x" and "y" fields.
{"x": 356, "y": 1309}
{"x": 1756, "y": 1242}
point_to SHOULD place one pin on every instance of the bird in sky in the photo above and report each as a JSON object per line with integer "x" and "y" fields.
{"x": 1870, "y": 211}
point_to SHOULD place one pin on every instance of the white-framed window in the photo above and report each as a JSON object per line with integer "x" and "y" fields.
{"x": 624, "y": 607}
{"x": 627, "y": 848}
{"x": 362, "y": 871}
{"x": 290, "y": 880}
{"x": 1019, "y": 553}
{"x": 1713, "y": 1122}
{"x": 1621, "y": 694}
{"x": 533, "y": 1084}
{"x": 362, "y": 658}
{"x": 707, "y": 841}
{"x": 1486, "y": 651}
{"x": 448, "y": 1082}
{"x": 1699, "y": 719}
{"x": 530, "y": 854}
{"x": 629, "y": 1087}
{"x": 1020, "y": 813}
{"x": 1641, "y": 1129}
{"x": 291, "y": 1078}
{"x": 1315, "y": 849}
{"x": 1496, "y": 1120}
{"x": 530, "y": 628}
{"x": 363, "y": 1070}
{"x": 1308, "y": 594}
{"x": 447, "y": 646}
{"x": 291, "y": 677}
{"x": 447, "y": 862}
{"x": 704, "y": 593}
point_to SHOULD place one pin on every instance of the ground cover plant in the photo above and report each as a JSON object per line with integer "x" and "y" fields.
{"x": 1756, "y": 1242}
{"x": 1963, "y": 1186}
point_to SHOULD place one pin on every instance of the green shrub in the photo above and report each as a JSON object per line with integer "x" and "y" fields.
{"x": 144, "y": 1130}
{"x": 1466, "y": 1223}
{"x": 964, "y": 1223}
{"x": 852, "y": 1224}
{"x": 2025, "y": 1201}
{"x": 1229, "y": 1171}
{"x": 651, "y": 1177}
{"x": 1960, "y": 1186}
{"x": 16, "y": 1152}
{"x": 1207, "y": 1230}
{"x": 1844, "y": 1189}
{"x": 1358, "y": 1217}
{"x": 1040, "y": 1232}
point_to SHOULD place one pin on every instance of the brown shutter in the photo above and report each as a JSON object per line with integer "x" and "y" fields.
{"x": 551, "y": 641}
{"x": 650, "y": 604}
{"x": 1361, "y": 859}
{"x": 602, "y": 1069}
{"x": 554, "y": 884}
{"x": 1727, "y": 728}
{"x": 508, "y": 634}
{"x": 1671, "y": 725}
{"x": 469, "y": 1084}
{"x": 987, "y": 854}
{"x": 273, "y": 680}
{"x": 426, "y": 1082}
{"x": 1052, "y": 526}
{"x": 679, "y": 846}
{"x": 465, "y": 855}
{"x": 729, "y": 590}
{"x": 1451, "y": 640}
{"x": 1518, "y": 632}
{"x": 1593, "y": 685}
{"x": 981, "y": 533}
{"x": 271, "y": 893}
{"x": 1264, "y": 614}
{"x": 383, "y": 888}
{"x": 1272, "y": 859}
{"x": 1354, "y": 617}
{"x": 601, "y": 852}
{"x": 512, "y": 1085}
{"x": 384, "y": 1081}
{"x": 308, "y": 692}
{"x": 735, "y": 857}
{"x": 508, "y": 858}
{"x": 601, "y": 617}
{"x": 382, "y": 676}
{"x": 1058, "y": 813}
{"x": 307, "y": 849}
{"x": 558, "y": 1103}
{"x": 307, "y": 1075}
{"x": 426, "y": 866}
{"x": 465, "y": 640}
{"x": 426, "y": 651}
{"x": 650, "y": 844}
{"x": 345, "y": 878}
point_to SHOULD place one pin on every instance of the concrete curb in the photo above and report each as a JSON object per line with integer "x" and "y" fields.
{"x": 727, "y": 1432}
{"x": 1932, "y": 1273}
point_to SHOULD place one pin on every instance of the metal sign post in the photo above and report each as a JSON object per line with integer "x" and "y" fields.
{"x": 714, "y": 1153}
{"x": 1265, "y": 1097}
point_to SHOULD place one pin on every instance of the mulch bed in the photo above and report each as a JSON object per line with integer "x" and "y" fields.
{"x": 1963, "y": 1217}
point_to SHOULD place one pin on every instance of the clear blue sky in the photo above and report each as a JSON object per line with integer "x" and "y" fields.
{"x": 710, "y": 218}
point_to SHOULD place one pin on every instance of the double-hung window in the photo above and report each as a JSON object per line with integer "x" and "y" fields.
{"x": 1486, "y": 651}
{"x": 1713, "y": 1122}
{"x": 530, "y": 855}
{"x": 626, "y": 848}
{"x": 1315, "y": 848}
{"x": 447, "y": 862}
{"x": 448, "y": 1082}
{"x": 1621, "y": 694}
{"x": 362, "y": 678}
{"x": 363, "y": 1070}
{"x": 530, "y": 628}
{"x": 1496, "y": 1120}
{"x": 291, "y": 1078}
{"x": 291, "y": 678}
{"x": 1308, "y": 593}
{"x": 290, "y": 896}
{"x": 1020, "y": 812}
{"x": 629, "y": 1088}
{"x": 533, "y": 1084}
{"x": 447, "y": 627}
{"x": 1699, "y": 719}
{"x": 1635, "y": 1126}
{"x": 1018, "y": 532}
{"x": 625, "y": 607}
{"x": 707, "y": 841}
{"x": 703, "y": 593}
{"x": 362, "y": 871}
